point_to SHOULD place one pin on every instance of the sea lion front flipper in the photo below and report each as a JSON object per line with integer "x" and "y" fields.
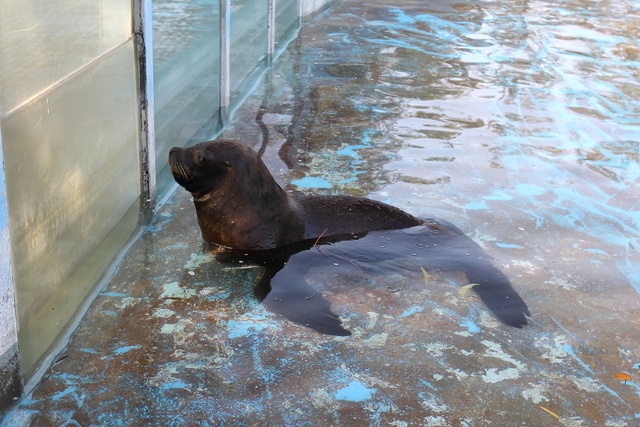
{"x": 285, "y": 292}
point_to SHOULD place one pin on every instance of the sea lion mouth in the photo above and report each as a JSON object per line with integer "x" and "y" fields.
{"x": 180, "y": 172}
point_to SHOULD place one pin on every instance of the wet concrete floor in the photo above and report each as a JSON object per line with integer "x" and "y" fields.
{"x": 492, "y": 116}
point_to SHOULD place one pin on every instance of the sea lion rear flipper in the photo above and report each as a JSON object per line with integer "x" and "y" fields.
{"x": 286, "y": 293}
{"x": 496, "y": 292}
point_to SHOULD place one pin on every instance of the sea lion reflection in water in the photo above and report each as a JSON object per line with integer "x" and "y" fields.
{"x": 242, "y": 209}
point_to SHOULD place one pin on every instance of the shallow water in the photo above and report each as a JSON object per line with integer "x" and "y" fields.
{"x": 517, "y": 122}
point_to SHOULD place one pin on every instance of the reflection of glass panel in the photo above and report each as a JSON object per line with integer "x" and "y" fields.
{"x": 42, "y": 41}
{"x": 73, "y": 171}
{"x": 186, "y": 52}
{"x": 248, "y": 44}
{"x": 286, "y": 20}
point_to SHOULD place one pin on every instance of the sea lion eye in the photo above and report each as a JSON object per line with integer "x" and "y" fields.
{"x": 202, "y": 160}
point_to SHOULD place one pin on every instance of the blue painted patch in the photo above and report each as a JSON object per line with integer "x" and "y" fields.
{"x": 173, "y": 385}
{"x": 508, "y": 245}
{"x": 567, "y": 348}
{"x": 402, "y": 17}
{"x": 530, "y": 190}
{"x": 499, "y": 195}
{"x": 123, "y": 350}
{"x": 347, "y": 181}
{"x": 428, "y": 384}
{"x": 354, "y": 392}
{"x": 596, "y": 251}
{"x": 471, "y": 326}
{"x": 410, "y": 311}
{"x": 243, "y": 328}
{"x": 66, "y": 392}
{"x": 312, "y": 182}
{"x": 477, "y": 206}
{"x": 351, "y": 151}
{"x": 112, "y": 294}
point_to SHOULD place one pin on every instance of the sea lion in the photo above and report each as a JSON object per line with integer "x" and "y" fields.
{"x": 241, "y": 208}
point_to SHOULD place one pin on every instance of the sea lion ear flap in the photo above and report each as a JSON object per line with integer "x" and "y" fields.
{"x": 228, "y": 164}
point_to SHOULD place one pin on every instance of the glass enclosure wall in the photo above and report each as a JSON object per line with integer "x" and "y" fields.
{"x": 286, "y": 20}
{"x": 69, "y": 124}
{"x": 186, "y": 73}
{"x": 248, "y": 51}
{"x": 73, "y": 116}
{"x": 207, "y": 54}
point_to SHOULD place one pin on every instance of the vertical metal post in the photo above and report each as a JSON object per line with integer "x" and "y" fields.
{"x": 271, "y": 31}
{"x": 142, "y": 28}
{"x": 225, "y": 58}
{"x": 300, "y": 12}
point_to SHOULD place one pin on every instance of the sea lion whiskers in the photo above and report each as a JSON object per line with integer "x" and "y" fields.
{"x": 179, "y": 170}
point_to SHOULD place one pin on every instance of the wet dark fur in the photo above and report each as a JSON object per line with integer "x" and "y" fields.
{"x": 240, "y": 206}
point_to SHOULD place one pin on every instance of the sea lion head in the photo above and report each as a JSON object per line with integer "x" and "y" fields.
{"x": 202, "y": 167}
{"x": 237, "y": 201}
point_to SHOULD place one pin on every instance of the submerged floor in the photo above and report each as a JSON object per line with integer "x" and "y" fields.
{"x": 517, "y": 122}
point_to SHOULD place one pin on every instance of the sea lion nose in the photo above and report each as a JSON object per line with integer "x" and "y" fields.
{"x": 173, "y": 151}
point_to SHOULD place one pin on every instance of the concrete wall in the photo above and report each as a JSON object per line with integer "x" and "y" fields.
{"x": 10, "y": 370}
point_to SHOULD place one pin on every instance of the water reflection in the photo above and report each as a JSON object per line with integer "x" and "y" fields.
{"x": 548, "y": 80}
{"x": 518, "y": 121}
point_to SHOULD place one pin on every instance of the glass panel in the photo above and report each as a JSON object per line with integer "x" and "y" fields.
{"x": 73, "y": 171}
{"x": 186, "y": 55}
{"x": 42, "y": 41}
{"x": 286, "y": 20}
{"x": 249, "y": 20}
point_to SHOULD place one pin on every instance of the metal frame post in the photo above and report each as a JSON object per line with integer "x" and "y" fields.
{"x": 225, "y": 59}
{"x": 271, "y": 31}
{"x": 142, "y": 28}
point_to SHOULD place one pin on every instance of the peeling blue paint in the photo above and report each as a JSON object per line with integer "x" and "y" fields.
{"x": 569, "y": 350}
{"x": 351, "y": 151}
{"x": 312, "y": 182}
{"x": 239, "y": 328}
{"x": 471, "y": 326}
{"x": 509, "y": 245}
{"x": 499, "y": 195}
{"x": 68, "y": 391}
{"x": 410, "y": 311}
{"x": 125, "y": 349}
{"x": 355, "y": 392}
{"x": 477, "y": 206}
{"x": 348, "y": 180}
{"x": 530, "y": 190}
{"x": 428, "y": 384}
{"x": 112, "y": 294}
{"x": 173, "y": 385}
{"x": 597, "y": 251}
